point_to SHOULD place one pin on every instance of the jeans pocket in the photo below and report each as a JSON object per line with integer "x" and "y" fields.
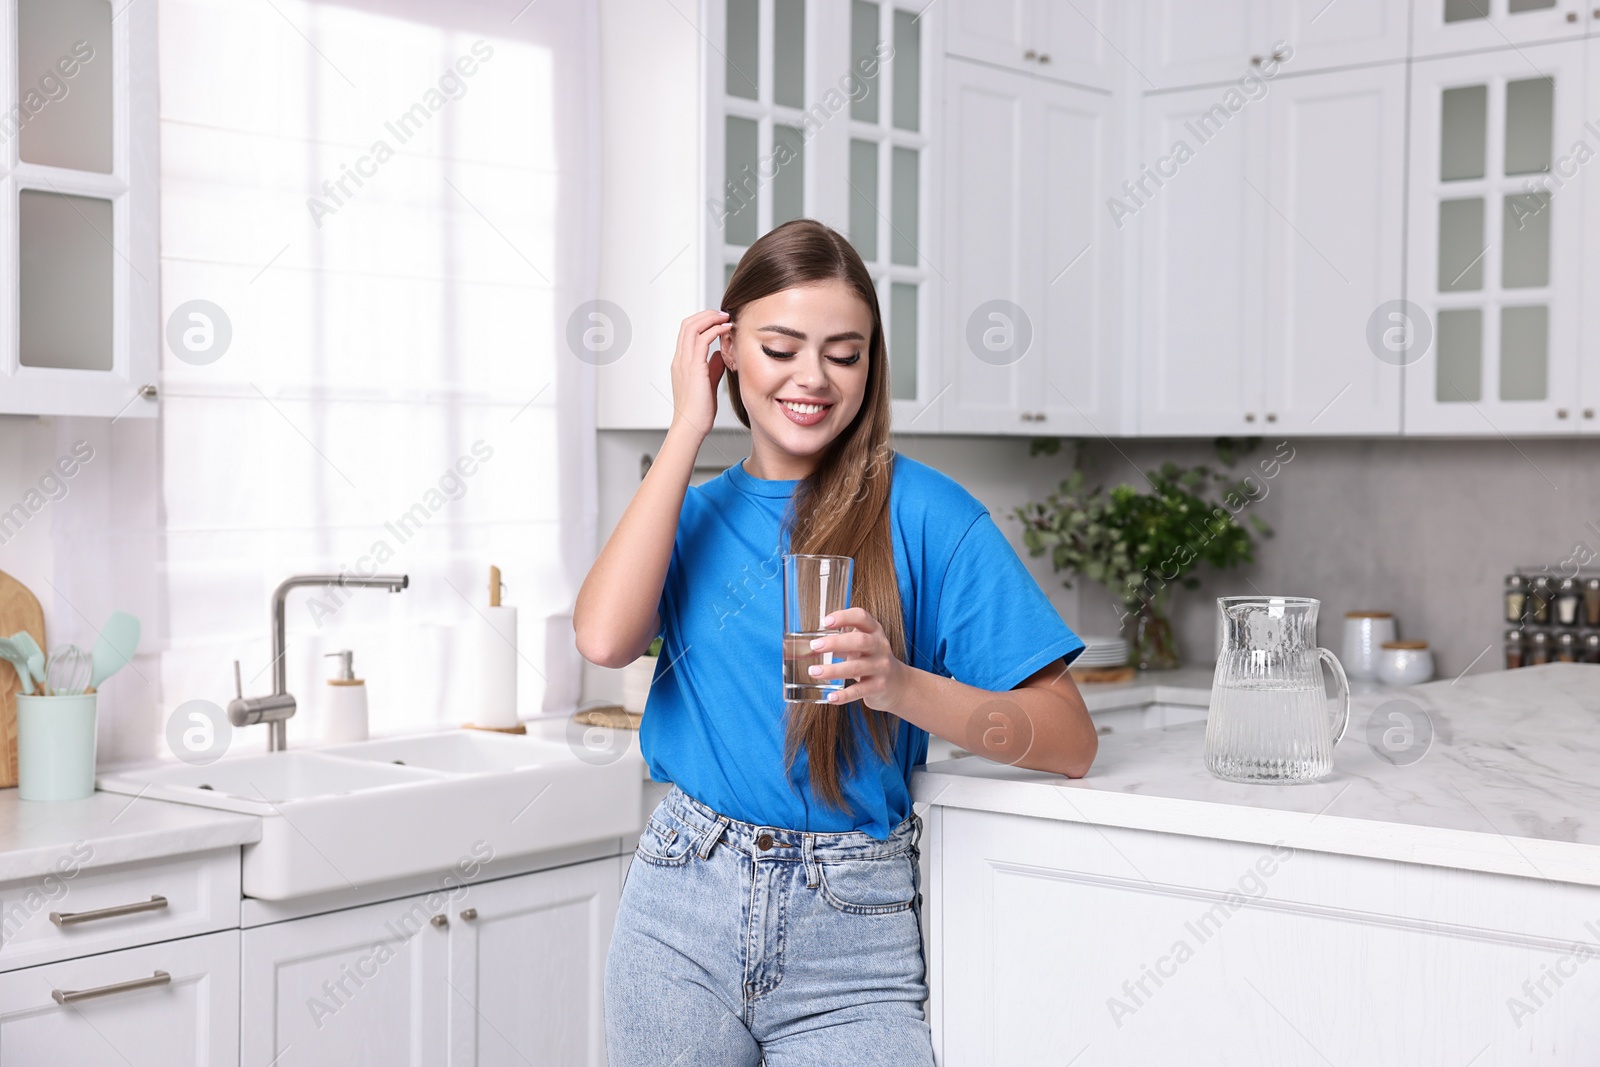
{"x": 664, "y": 844}
{"x": 879, "y": 886}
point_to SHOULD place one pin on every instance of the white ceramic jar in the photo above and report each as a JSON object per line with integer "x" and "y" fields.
{"x": 1405, "y": 663}
{"x": 1364, "y": 634}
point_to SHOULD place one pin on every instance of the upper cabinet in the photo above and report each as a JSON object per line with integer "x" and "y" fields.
{"x": 1187, "y": 44}
{"x": 79, "y": 254}
{"x": 1495, "y": 262}
{"x": 1443, "y": 26}
{"x": 1081, "y": 42}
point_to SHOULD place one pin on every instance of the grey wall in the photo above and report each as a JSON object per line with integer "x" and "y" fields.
{"x": 1426, "y": 529}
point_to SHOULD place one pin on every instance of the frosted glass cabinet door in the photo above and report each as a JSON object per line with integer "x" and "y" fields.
{"x": 1494, "y": 256}
{"x": 1444, "y": 26}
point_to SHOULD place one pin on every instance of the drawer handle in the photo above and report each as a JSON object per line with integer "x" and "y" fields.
{"x": 72, "y": 918}
{"x": 72, "y": 996}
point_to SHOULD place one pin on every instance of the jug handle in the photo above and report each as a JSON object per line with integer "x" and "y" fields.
{"x": 1344, "y": 692}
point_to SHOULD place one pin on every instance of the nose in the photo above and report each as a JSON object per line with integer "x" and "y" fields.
{"x": 809, "y": 372}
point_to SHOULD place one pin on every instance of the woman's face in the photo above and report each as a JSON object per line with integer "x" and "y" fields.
{"x": 801, "y": 355}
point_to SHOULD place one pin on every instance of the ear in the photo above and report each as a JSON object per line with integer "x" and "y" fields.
{"x": 726, "y": 347}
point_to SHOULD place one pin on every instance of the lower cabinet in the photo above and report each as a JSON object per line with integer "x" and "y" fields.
{"x": 502, "y": 972}
{"x": 171, "y": 1004}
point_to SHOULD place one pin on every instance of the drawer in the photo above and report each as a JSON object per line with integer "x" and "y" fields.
{"x": 100, "y": 909}
{"x": 175, "y": 1004}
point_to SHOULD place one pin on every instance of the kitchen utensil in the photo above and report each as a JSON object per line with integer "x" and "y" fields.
{"x": 19, "y": 610}
{"x": 119, "y": 639}
{"x": 1405, "y": 663}
{"x": 1364, "y": 632}
{"x": 19, "y": 663}
{"x": 67, "y": 671}
{"x": 1269, "y": 719}
{"x": 813, "y": 588}
{"x": 30, "y": 648}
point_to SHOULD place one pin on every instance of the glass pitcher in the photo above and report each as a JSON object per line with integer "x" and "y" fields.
{"x": 1271, "y": 719}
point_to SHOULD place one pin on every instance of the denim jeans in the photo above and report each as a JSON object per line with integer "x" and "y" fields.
{"x": 738, "y": 944}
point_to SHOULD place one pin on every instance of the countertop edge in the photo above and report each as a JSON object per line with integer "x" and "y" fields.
{"x": 1469, "y": 850}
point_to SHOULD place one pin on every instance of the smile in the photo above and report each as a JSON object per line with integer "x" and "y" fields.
{"x": 804, "y": 414}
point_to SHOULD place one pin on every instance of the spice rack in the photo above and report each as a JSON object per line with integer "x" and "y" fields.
{"x": 1552, "y": 617}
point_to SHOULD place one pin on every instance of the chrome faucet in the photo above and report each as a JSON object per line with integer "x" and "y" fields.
{"x": 276, "y": 708}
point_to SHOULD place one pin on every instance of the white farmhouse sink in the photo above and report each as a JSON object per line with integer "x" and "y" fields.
{"x": 347, "y": 816}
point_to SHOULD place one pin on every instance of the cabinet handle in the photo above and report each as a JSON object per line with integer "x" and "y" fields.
{"x": 72, "y": 996}
{"x": 1561, "y": 413}
{"x": 72, "y": 918}
{"x": 1588, "y": 413}
{"x": 148, "y": 392}
{"x": 1249, "y": 416}
{"x": 1255, "y": 61}
{"x": 1044, "y": 57}
{"x": 1030, "y": 54}
{"x": 440, "y": 920}
{"x": 1280, "y": 55}
{"x": 1572, "y": 16}
{"x": 1272, "y": 416}
{"x": 469, "y": 914}
{"x": 1102, "y": 731}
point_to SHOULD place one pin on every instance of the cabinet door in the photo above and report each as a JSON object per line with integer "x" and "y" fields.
{"x": 527, "y": 967}
{"x": 1494, "y": 255}
{"x": 177, "y": 1005}
{"x": 1193, "y": 44}
{"x": 992, "y": 351}
{"x": 1441, "y": 26}
{"x": 1199, "y": 207}
{"x": 362, "y": 985}
{"x": 1335, "y": 184}
{"x": 1320, "y": 34}
{"x": 1002, "y": 32}
{"x": 1074, "y": 132}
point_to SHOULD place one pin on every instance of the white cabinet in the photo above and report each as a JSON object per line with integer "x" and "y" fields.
{"x": 1442, "y": 26}
{"x": 501, "y": 972}
{"x": 80, "y": 279}
{"x": 1031, "y": 324}
{"x": 1270, "y": 232}
{"x": 1495, "y": 257}
{"x": 1078, "y": 42}
{"x": 171, "y": 1004}
{"x": 1187, "y": 44}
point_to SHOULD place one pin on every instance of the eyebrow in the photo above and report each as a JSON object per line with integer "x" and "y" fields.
{"x": 850, "y": 335}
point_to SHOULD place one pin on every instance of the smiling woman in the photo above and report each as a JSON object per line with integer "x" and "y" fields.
{"x": 781, "y": 871}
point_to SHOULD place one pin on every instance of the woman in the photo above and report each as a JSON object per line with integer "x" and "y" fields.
{"x": 772, "y": 909}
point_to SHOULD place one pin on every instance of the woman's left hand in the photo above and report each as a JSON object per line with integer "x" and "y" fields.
{"x": 880, "y": 678}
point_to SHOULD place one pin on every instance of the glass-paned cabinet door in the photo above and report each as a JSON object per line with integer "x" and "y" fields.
{"x": 1494, "y": 264}
{"x": 79, "y": 307}
{"x": 1445, "y": 26}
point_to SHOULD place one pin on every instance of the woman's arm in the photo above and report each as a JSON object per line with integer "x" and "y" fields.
{"x": 1041, "y": 724}
{"x": 615, "y": 615}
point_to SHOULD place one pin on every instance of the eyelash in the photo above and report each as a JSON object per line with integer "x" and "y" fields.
{"x": 785, "y": 355}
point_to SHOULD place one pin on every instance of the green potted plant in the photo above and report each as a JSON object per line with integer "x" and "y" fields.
{"x": 1141, "y": 541}
{"x": 637, "y": 676}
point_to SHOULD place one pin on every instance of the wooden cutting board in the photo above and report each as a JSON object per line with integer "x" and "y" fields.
{"x": 19, "y": 610}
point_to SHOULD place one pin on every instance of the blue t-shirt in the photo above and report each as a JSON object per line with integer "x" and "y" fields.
{"x": 714, "y": 723}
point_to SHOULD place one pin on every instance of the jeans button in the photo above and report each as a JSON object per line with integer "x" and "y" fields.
{"x": 764, "y": 842}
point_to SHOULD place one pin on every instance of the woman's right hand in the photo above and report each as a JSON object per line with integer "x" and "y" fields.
{"x": 694, "y": 377}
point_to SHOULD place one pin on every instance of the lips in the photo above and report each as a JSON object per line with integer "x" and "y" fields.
{"x": 817, "y": 410}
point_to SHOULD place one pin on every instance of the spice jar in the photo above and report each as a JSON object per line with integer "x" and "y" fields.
{"x": 1569, "y": 602}
{"x": 1591, "y": 601}
{"x": 1566, "y": 647}
{"x": 1517, "y": 648}
{"x": 1538, "y": 648}
{"x": 1540, "y": 593}
{"x": 1591, "y": 648}
{"x": 1517, "y": 597}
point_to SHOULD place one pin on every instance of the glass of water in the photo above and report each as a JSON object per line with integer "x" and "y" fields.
{"x": 813, "y": 587}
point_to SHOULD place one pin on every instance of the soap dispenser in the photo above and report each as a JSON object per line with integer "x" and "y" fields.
{"x": 345, "y": 714}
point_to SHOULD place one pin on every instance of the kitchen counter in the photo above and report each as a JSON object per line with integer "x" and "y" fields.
{"x": 107, "y": 828}
{"x": 1509, "y": 785}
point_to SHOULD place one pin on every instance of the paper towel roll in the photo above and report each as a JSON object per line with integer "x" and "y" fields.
{"x": 496, "y": 658}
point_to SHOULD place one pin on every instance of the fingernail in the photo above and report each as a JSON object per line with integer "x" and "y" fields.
{"x": 814, "y": 671}
{"x": 816, "y": 642}
{"x": 827, "y": 620}
{"x": 833, "y": 698}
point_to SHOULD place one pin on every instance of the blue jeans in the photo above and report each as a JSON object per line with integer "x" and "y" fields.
{"x": 739, "y": 944}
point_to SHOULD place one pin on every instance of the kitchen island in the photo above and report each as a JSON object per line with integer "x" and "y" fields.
{"x": 1403, "y": 910}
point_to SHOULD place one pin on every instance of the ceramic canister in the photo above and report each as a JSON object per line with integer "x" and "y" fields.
{"x": 1405, "y": 663}
{"x": 1364, "y": 634}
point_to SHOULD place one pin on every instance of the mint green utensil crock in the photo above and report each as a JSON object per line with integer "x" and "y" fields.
{"x": 55, "y": 747}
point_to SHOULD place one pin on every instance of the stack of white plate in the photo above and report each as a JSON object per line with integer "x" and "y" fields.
{"x": 1102, "y": 652}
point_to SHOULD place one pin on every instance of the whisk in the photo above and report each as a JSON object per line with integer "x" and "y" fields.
{"x": 67, "y": 671}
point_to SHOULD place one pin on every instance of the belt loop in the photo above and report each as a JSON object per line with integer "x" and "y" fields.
{"x": 808, "y": 853}
{"x": 916, "y": 829}
{"x": 710, "y": 837}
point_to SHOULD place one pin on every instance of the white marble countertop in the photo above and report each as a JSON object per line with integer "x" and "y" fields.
{"x": 1184, "y": 685}
{"x": 107, "y": 828}
{"x": 1510, "y": 784}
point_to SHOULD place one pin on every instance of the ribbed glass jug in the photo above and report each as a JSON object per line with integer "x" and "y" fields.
{"x": 1271, "y": 719}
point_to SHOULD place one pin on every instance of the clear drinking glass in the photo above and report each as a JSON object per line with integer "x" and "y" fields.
{"x": 813, "y": 587}
{"x": 1271, "y": 719}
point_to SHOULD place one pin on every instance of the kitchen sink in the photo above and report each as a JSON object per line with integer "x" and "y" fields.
{"x": 351, "y": 815}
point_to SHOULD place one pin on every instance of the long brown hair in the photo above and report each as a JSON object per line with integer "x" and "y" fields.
{"x": 842, "y": 507}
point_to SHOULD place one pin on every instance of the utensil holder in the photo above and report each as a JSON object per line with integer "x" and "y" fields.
{"x": 55, "y": 746}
